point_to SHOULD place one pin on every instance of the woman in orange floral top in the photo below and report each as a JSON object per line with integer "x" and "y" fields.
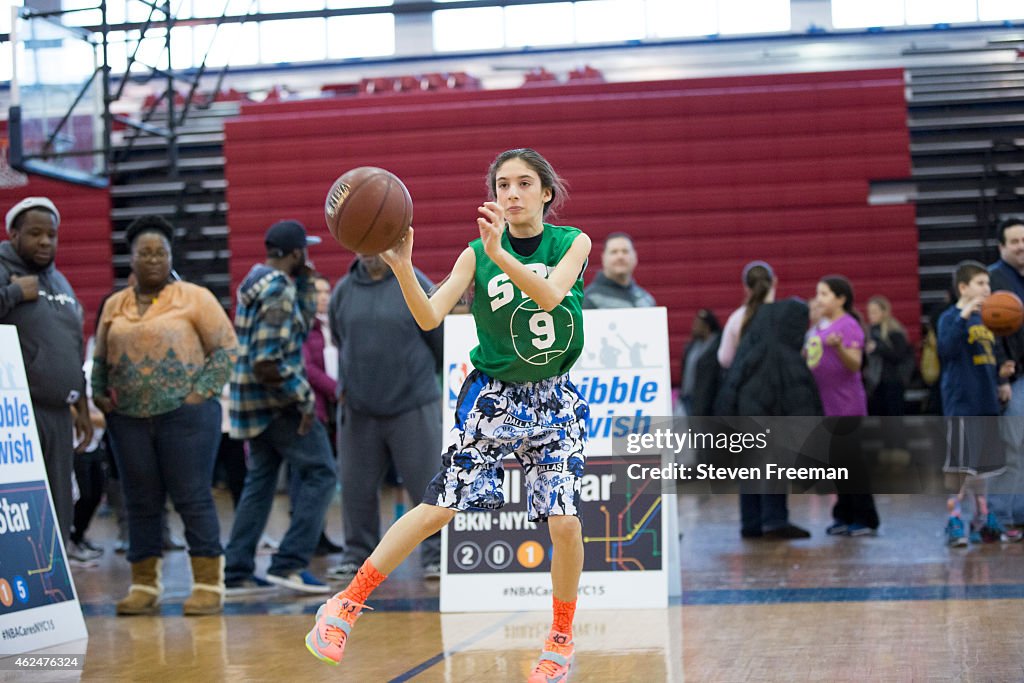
{"x": 164, "y": 349}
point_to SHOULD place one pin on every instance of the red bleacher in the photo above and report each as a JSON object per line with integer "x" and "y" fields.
{"x": 705, "y": 174}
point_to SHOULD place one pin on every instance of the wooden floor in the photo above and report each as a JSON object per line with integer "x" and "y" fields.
{"x": 899, "y": 607}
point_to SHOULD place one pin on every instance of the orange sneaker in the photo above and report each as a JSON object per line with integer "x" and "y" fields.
{"x": 555, "y": 661}
{"x": 334, "y": 621}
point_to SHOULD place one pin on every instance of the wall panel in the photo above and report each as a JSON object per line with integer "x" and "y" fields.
{"x": 706, "y": 174}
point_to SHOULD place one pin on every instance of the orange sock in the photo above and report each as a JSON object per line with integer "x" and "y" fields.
{"x": 363, "y": 583}
{"x": 564, "y": 613}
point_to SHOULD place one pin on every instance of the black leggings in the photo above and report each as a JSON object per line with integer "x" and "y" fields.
{"x": 90, "y": 473}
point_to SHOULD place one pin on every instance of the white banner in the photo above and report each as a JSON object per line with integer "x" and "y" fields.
{"x": 498, "y": 560}
{"x": 38, "y": 603}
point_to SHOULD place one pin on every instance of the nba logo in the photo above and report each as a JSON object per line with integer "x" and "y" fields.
{"x": 457, "y": 373}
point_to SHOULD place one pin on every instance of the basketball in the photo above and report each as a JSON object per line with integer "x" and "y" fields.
{"x": 1003, "y": 313}
{"x": 368, "y": 210}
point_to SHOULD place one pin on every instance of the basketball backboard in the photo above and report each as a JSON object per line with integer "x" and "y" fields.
{"x": 56, "y": 116}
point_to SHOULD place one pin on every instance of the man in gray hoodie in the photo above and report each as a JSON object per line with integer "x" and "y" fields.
{"x": 37, "y": 299}
{"x": 389, "y": 408}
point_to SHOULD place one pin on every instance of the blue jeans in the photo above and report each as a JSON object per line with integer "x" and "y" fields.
{"x": 309, "y": 457}
{"x": 1006, "y": 492}
{"x": 169, "y": 454}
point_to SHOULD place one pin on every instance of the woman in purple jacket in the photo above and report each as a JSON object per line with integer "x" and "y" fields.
{"x": 321, "y": 360}
{"x": 321, "y": 356}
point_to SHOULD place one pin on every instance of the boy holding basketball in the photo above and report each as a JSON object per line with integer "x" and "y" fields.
{"x": 528, "y": 284}
{"x": 969, "y": 390}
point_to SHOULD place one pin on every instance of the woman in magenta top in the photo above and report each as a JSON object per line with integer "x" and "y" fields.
{"x": 835, "y": 352}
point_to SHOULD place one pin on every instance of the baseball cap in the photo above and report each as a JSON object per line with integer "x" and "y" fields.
{"x": 289, "y": 236}
{"x": 30, "y": 203}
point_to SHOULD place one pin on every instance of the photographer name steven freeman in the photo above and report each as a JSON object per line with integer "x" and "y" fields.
{"x": 768, "y": 471}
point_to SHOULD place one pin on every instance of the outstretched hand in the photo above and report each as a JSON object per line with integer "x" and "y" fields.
{"x": 492, "y": 224}
{"x": 401, "y": 252}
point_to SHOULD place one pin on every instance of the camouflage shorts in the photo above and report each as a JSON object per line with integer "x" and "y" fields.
{"x": 543, "y": 424}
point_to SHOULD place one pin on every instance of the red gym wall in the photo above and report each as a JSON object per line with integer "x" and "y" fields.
{"x": 705, "y": 174}
{"x": 83, "y": 249}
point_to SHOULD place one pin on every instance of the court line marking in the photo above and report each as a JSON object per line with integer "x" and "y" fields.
{"x": 745, "y": 596}
{"x": 455, "y": 649}
{"x": 755, "y": 596}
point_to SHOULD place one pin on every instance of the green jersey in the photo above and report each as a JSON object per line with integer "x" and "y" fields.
{"x": 519, "y": 340}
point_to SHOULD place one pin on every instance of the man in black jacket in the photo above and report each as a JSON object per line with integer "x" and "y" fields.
{"x": 37, "y": 299}
{"x": 1006, "y": 491}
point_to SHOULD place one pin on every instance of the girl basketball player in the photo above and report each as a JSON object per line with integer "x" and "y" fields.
{"x": 527, "y": 277}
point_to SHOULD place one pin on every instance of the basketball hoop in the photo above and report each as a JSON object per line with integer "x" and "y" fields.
{"x": 9, "y": 178}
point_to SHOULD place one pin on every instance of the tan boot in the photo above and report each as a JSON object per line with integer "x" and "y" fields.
{"x": 144, "y": 594}
{"x": 207, "y": 586}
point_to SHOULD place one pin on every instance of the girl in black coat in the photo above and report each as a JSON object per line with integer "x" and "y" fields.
{"x": 769, "y": 377}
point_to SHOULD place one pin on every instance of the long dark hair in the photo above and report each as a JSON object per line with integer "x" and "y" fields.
{"x": 840, "y": 286}
{"x": 543, "y": 169}
{"x": 759, "y": 280}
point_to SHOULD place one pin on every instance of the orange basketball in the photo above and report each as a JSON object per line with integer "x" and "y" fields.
{"x": 1003, "y": 313}
{"x": 368, "y": 210}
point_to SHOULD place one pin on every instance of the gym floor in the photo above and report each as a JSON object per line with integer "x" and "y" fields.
{"x": 897, "y": 607}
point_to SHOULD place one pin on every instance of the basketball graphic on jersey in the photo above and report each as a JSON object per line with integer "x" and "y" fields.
{"x": 538, "y": 336}
{"x": 815, "y": 351}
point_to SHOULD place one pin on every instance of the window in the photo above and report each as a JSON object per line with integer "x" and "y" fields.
{"x": 151, "y": 51}
{"x": 872, "y": 13}
{"x": 1000, "y": 10}
{"x": 247, "y": 43}
{"x": 293, "y": 40}
{"x": 352, "y": 4}
{"x": 5, "y": 15}
{"x": 372, "y": 35}
{"x": 235, "y": 44}
{"x": 5, "y": 27}
{"x": 182, "y": 52}
{"x": 537, "y": 25}
{"x": 468, "y": 29}
{"x": 86, "y": 17}
{"x": 677, "y": 18}
{"x": 216, "y": 8}
{"x": 607, "y": 21}
{"x": 941, "y": 11}
{"x": 272, "y": 6}
{"x": 866, "y": 13}
{"x": 117, "y": 51}
{"x": 604, "y": 21}
{"x": 753, "y": 16}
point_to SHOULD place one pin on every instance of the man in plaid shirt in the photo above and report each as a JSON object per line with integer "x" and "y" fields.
{"x": 272, "y": 406}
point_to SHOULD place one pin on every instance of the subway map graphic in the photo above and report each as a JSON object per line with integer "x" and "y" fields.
{"x": 33, "y": 570}
{"x": 622, "y": 527}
